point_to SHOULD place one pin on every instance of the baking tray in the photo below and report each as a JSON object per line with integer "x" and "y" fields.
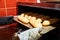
{"x": 45, "y": 28}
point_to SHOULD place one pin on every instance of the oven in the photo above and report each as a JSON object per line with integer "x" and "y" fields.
{"x": 42, "y": 9}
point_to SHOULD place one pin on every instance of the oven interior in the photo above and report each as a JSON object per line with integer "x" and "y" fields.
{"x": 44, "y": 11}
{"x": 53, "y": 34}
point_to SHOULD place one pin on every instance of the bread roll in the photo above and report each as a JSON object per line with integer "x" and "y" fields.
{"x": 29, "y": 17}
{"x": 26, "y": 16}
{"x": 32, "y": 19}
{"x": 39, "y": 20}
{"x": 22, "y": 14}
{"x": 51, "y": 21}
{"x": 23, "y": 19}
{"x": 35, "y": 23}
{"x": 46, "y": 22}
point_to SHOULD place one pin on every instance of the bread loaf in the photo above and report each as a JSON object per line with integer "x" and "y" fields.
{"x": 23, "y": 19}
{"x": 35, "y": 23}
{"x": 32, "y": 20}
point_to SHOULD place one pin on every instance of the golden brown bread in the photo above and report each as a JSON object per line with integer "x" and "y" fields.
{"x": 39, "y": 20}
{"x": 29, "y": 17}
{"x": 35, "y": 23}
{"x": 22, "y": 15}
{"x": 23, "y": 19}
{"x": 46, "y": 22}
{"x": 26, "y": 16}
{"x": 32, "y": 19}
{"x": 50, "y": 21}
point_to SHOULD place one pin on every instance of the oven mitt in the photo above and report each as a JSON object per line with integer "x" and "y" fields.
{"x": 34, "y": 33}
{"x": 31, "y": 34}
